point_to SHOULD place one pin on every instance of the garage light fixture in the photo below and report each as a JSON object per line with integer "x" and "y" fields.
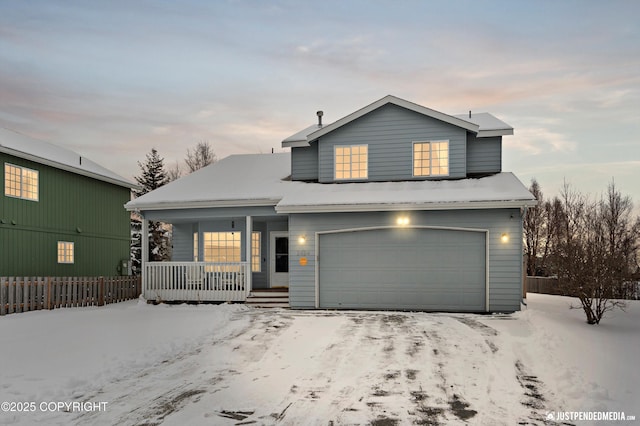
{"x": 302, "y": 239}
{"x": 504, "y": 238}
{"x": 402, "y": 221}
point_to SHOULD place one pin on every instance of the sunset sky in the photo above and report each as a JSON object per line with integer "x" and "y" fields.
{"x": 110, "y": 80}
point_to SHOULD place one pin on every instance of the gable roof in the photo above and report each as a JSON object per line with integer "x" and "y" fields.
{"x": 483, "y": 124}
{"x": 22, "y": 146}
{"x": 263, "y": 180}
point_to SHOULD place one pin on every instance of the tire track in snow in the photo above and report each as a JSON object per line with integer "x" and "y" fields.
{"x": 148, "y": 391}
{"x": 356, "y": 336}
{"x": 370, "y": 368}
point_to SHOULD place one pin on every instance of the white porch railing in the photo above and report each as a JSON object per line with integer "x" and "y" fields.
{"x": 196, "y": 281}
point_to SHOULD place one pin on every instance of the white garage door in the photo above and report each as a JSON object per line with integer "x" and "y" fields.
{"x": 404, "y": 269}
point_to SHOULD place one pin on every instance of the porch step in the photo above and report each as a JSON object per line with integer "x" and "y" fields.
{"x": 268, "y": 298}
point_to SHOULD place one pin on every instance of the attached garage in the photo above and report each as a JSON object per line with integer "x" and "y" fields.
{"x": 419, "y": 268}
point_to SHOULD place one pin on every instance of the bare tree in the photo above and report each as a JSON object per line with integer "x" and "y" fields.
{"x": 595, "y": 250}
{"x": 533, "y": 225}
{"x": 174, "y": 172}
{"x": 622, "y": 235}
{"x": 201, "y": 156}
{"x": 540, "y": 228}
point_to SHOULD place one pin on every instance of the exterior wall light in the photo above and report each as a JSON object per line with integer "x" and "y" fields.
{"x": 402, "y": 221}
{"x": 504, "y": 238}
{"x": 302, "y": 239}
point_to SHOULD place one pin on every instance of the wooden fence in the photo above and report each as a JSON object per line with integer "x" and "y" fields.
{"x": 23, "y": 294}
{"x": 543, "y": 285}
{"x": 629, "y": 290}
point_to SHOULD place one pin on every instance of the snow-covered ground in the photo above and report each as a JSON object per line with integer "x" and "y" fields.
{"x": 229, "y": 364}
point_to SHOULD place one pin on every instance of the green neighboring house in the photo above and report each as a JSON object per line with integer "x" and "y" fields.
{"x": 60, "y": 213}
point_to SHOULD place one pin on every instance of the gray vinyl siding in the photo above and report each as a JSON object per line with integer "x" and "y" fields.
{"x": 505, "y": 260}
{"x": 484, "y": 155}
{"x": 182, "y": 242}
{"x": 389, "y": 133}
{"x": 304, "y": 162}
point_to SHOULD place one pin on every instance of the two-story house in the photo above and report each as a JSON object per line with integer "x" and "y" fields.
{"x": 60, "y": 213}
{"x": 395, "y": 206}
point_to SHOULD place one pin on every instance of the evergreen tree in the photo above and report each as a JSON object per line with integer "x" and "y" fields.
{"x": 136, "y": 245}
{"x": 154, "y": 176}
{"x": 153, "y": 173}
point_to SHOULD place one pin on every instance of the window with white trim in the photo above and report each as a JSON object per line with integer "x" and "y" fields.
{"x": 20, "y": 182}
{"x": 225, "y": 247}
{"x": 431, "y": 158}
{"x": 195, "y": 247}
{"x": 351, "y": 162}
{"x": 256, "y": 255}
{"x": 222, "y": 247}
{"x": 65, "y": 252}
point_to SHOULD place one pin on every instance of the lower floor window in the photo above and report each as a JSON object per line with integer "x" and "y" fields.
{"x": 225, "y": 247}
{"x": 256, "y": 255}
{"x": 65, "y": 252}
{"x": 195, "y": 247}
{"x": 221, "y": 247}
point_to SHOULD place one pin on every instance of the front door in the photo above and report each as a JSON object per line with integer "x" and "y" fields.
{"x": 279, "y": 259}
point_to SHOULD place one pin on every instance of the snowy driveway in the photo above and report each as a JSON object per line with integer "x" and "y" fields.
{"x": 305, "y": 368}
{"x": 230, "y": 364}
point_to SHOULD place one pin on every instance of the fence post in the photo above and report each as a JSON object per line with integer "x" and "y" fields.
{"x": 11, "y": 288}
{"x": 2, "y": 298}
{"x": 26, "y": 294}
{"x": 101, "y": 291}
{"x": 47, "y": 294}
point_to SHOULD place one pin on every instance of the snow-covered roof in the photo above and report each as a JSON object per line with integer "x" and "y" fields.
{"x": 499, "y": 190}
{"x": 22, "y": 146}
{"x": 488, "y": 124}
{"x": 237, "y": 180}
{"x": 484, "y": 124}
{"x": 300, "y": 138}
{"x": 263, "y": 180}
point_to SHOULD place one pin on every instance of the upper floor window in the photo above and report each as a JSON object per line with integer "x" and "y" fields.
{"x": 431, "y": 158}
{"x": 351, "y": 162}
{"x": 20, "y": 182}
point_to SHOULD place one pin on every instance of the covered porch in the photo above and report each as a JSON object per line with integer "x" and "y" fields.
{"x": 217, "y": 255}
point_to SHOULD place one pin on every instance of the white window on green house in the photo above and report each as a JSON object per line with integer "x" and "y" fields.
{"x": 20, "y": 182}
{"x": 65, "y": 252}
{"x": 195, "y": 246}
{"x": 222, "y": 247}
{"x": 431, "y": 158}
{"x": 351, "y": 162}
{"x": 256, "y": 255}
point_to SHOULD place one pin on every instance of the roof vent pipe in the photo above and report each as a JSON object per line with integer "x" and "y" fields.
{"x": 319, "y": 114}
{"x": 469, "y": 113}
